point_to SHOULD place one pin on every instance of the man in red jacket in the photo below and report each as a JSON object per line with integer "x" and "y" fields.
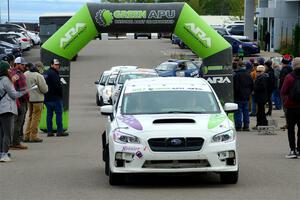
{"x": 292, "y": 104}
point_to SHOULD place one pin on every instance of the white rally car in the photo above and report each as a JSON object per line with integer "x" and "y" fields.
{"x": 169, "y": 125}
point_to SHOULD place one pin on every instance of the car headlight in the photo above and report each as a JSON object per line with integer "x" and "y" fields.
{"x": 226, "y": 136}
{"x": 123, "y": 138}
{"x": 253, "y": 45}
{"x": 109, "y": 92}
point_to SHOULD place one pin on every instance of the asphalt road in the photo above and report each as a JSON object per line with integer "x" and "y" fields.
{"x": 71, "y": 168}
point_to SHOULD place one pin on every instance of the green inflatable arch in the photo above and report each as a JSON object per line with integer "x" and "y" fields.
{"x": 178, "y": 18}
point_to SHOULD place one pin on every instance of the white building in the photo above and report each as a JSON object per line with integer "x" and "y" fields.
{"x": 279, "y": 17}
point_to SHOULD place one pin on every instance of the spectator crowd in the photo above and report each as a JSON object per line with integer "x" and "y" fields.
{"x": 258, "y": 84}
{"x": 24, "y": 89}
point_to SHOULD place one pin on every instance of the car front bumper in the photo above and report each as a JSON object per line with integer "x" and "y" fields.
{"x": 139, "y": 158}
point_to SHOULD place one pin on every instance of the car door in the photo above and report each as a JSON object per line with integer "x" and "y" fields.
{"x": 181, "y": 70}
{"x": 192, "y": 70}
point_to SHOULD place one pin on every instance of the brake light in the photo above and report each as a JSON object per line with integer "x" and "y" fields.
{"x": 25, "y": 39}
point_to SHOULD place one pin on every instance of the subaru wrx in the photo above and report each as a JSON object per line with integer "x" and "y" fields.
{"x": 169, "y": 125}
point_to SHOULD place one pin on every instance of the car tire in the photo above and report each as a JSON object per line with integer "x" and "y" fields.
{"x": 97, "y": 100}
{"x": 229, "y": 177}
{"x": 149, "y": 37}
{"x": 115, "y": 178}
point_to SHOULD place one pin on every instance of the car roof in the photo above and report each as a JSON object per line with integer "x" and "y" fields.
{"x": 123, "y": 67}
{"x": 168, "y": 83}
{"x": 139, "y": 70}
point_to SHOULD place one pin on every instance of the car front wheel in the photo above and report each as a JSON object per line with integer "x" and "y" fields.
{"x": 229, "y": 177}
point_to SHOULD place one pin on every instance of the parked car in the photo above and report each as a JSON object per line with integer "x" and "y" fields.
{"x": 238, "y": 29}
{"x": 182, "y": 68}
{"x": 34, "y": 36}
{"x": 249, "y": 48}
{"x": 136, "y": 35}
{"x": 154, "y": 129}
{"x": 223, "y": 31}
{"x": 11, "y": 48}
{"x": 128, "y": 75}
{"x": 100, "y": 84}
{"x": 22, "y": 39}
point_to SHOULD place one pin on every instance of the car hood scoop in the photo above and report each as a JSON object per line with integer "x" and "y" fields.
{"x": 173, "y": 121}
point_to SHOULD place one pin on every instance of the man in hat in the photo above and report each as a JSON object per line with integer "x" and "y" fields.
{"x": 20, "y": 85}
{"x": 290, "y": 92}
{"x": 53, "y": 98}
{"x": 36, "y": 103}
{"x": 261, "y": 95}
{"x": 285, "y": 70}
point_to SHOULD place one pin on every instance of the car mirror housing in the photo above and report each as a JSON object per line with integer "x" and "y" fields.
{"x": 230, "y": 107}
{"x": 106, "y": 110}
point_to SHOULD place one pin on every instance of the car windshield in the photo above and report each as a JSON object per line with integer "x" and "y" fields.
{"x": 172, "y": 101}
{"x": 104, "y": 78}
{"x": 166, "y": 67}
{"x": 124, "y": 77}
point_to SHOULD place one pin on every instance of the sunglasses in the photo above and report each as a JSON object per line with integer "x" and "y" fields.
{"x": 259, "y": 71}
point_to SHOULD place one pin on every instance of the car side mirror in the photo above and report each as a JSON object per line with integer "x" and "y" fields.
{"x": 97, "y": 82}
{"x": 106, "y": 110}
{"x": 230, "y": 107}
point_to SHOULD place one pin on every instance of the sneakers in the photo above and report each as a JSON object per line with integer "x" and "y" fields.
{"x": 36, "y": 140}
{"x": 62, "y": 134}
{"x": 18, "y": 147}
{"x": 5, "y": 158}
{"x": 291, "y": 155}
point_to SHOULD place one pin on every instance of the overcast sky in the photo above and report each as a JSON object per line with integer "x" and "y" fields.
{"x": 30, "y": 10}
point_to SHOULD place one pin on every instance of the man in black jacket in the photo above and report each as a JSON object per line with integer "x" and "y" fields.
{"x": 271, "y": 84}
{"x": 261, "y": 95}
{"x": 53, "y": 98}
{"x": 243, "y": 87}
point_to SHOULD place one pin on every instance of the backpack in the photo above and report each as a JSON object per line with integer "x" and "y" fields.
{"x": 295, "y": 90}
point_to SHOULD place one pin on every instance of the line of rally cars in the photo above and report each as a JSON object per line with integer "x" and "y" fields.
{"x": 110, "y": 82}
{"x": 150, "y": 130}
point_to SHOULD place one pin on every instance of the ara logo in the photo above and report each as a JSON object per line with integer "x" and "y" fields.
{"x": 214, "y": 80}
{"x": 104, "y": 17}
{"x": 198, "y": 34}
{"x": 72, "y": 34}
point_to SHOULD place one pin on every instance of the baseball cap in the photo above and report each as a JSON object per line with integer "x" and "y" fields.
{"x": 20, "y": 60}
{"x": 286, "y": 59}
{"x": 56, "y": 62}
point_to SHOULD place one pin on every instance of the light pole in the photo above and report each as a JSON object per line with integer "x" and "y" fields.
{"x": 8, "y": 17}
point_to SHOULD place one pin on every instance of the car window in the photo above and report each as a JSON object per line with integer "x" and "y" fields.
{"x": 174, "y": 101}
{"x": 166, "y": 67}
{"x": 111, "y": 80}
{"x": 191, "y": 66}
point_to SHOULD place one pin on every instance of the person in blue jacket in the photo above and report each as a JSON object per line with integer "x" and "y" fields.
{"x": 53, "y": 99}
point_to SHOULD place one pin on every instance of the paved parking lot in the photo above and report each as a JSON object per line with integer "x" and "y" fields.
{"x": 71, "y": 167}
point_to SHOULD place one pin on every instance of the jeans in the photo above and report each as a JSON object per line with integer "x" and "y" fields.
{"x": 19, "y": 124}
{"x": 276, "y": 98}
{"x": 242, "y": 115}
{"x": 57, "y": 107}
{"x": 6, "y": 131}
